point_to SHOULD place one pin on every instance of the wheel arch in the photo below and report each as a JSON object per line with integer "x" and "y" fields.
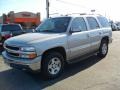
{"x": 59, "y": 49}
{"x": 105, "y": 38}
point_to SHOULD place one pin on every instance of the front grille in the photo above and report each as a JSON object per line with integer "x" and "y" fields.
{"x": 13, "y": 54}
{"x": 12, "y": 50}
{"x": 12, "y": 47}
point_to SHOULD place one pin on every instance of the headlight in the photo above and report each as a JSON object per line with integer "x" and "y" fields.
{"x": 31, "y": 55}
{"x": 27, "y": 49}
{"x": 29, "y": 52}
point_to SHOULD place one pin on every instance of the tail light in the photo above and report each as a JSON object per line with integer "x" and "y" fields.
{"x": 7, "y": 36}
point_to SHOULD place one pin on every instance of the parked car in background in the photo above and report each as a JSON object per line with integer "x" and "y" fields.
{"x": 58, "y": 41}
{"x": 114, "y": 27}
{"x": 118, "y": 25}
{"x": 29, "y": 30}
{"x": 9, "y": 30}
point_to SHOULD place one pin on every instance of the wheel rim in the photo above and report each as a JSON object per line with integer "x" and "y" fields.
{"x": 104, "y": 49}
{"x": 54, "y": 66}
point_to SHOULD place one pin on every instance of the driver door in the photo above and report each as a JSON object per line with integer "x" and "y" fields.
{"x": 78, "y": 40}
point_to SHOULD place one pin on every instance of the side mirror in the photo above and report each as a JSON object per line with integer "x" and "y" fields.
{"x": 72, "y": 30}
{"x": 33, "y": 30}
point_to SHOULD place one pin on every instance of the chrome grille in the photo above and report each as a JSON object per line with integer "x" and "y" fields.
{"x": 12, "y": 47}
{"x": 13, "y": 54}
{"x": 12, "y": 50}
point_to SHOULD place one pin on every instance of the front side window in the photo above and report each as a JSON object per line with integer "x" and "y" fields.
{"x": 103, "y": 21}
{"x": 54, "y": 25}
{"x": 92, "y": 23}
{"x": 79, "y": 24}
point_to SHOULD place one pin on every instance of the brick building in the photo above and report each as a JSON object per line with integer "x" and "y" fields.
{"x": 27, "y": 20}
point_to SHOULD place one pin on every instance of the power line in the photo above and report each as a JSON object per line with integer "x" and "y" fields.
{"x": 73, "y": 4}
{"x": 65, "y": 2}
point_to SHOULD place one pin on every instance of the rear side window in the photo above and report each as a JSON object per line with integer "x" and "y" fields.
{"x": 92, "y": 23}
{"x": 79, "y": 23}
{"x": 11, "y": 28}
{"x": 103, "y": 21}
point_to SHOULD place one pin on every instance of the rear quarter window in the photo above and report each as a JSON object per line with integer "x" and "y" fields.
{"x": 103, "y": 21}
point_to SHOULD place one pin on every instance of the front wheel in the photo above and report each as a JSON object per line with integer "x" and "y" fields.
{"x": 52, "y": 65}
{"x": 103, "y": 50}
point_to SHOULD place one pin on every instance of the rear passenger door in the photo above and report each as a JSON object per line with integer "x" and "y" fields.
{"x": 78, "y": 42}
{"x": 94, "y": 33}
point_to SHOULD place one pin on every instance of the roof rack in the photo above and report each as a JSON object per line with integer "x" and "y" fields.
{"x": 57, "y": 14}
{"x": 82, "y": 14}
{"x": 76, "y": 14}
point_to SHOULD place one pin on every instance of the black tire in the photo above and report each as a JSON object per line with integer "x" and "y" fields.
{"x": 47, "y": 61}
{"x": 101, "y": 53}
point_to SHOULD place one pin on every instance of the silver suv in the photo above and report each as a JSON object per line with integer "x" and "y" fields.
{"x": 58, "y": 41}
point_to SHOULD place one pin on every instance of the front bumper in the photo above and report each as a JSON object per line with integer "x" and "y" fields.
{"x": 19, "y": 63}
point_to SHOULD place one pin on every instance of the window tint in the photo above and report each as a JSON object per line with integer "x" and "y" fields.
{"x": 103, "y": 21}
{"x": 54, "y": 25}
{"x": 92, "y": 23}
{"x": 79, "y": 23}
{"x": 10, "y": 28}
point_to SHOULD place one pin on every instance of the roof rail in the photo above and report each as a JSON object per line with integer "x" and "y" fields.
{"x": 82, "y": 14}
{"x": 56, "y": 14}
{"x": 76, "y": 14}
{"x": 70, "y": 14}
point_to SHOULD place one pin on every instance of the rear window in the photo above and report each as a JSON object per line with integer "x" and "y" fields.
{"x": 103, "y": 21}
{"x": 11, "y": 28}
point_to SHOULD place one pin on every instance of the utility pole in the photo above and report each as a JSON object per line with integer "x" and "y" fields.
{"x": 47, "y": 8}
{"x": 93, "y": 11}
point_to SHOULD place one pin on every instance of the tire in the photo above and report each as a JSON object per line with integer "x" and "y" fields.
{"x": 52, "y": 65}
{"x": 103, "y": 50}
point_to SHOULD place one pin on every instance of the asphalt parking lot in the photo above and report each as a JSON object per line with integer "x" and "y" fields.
{"x": 91, "y": 74}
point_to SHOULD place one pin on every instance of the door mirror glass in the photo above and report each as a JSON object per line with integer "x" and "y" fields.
{"x": 75, "y": 29}
{"x": 33, "y": 30}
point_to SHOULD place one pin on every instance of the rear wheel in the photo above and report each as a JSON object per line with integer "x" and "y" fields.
{"x": 52, "y": 65}
{"x": 103, "y": 50}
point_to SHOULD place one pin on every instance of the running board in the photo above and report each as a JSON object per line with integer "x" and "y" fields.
{"x": 78, "y": 59}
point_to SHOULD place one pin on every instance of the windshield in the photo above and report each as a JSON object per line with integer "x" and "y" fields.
{"x": 54, "y": 25}
{"x": 10, "y": 28}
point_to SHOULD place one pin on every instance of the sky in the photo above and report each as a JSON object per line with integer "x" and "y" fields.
{"x": 108, "y": 8}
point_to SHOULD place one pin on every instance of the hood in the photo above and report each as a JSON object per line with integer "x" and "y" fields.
{"x": 27, "y": 39}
